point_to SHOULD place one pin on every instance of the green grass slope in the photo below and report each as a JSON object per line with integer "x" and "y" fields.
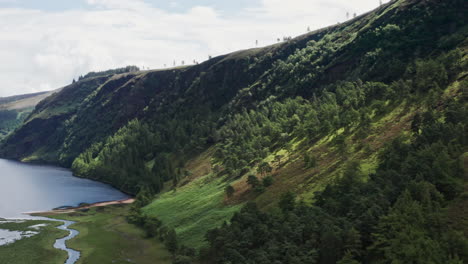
{"x": 193, "y": 209}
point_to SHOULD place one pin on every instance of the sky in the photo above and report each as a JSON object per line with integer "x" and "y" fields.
{"x": 45, "y": 44}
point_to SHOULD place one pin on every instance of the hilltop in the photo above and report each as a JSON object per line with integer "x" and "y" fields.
{"x": 336, "y": 135}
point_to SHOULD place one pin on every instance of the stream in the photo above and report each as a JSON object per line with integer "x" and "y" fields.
{"x": 39, "y": 188}
{"x": 73, "y": 255}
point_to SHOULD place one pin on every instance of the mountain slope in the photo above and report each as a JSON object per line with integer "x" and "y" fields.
{"x": 341, "y": 52}
{"x": 296, "y": 117}
{"x": 42, "y": 133}
{"x": 15, "y": 109}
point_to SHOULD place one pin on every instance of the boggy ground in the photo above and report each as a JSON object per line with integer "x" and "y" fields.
{"x": 37, "y": 249}
{"x": 106, "y": 237}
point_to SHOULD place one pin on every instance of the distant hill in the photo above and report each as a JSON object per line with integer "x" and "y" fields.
{"x": 351, "y": 140}
{"x": 15, "y": 109}
{"x": 19, "y": 102}
{"x": 4, "y": 100}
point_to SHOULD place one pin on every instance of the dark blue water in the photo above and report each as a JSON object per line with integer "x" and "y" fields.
{"x": 32, "y": 188}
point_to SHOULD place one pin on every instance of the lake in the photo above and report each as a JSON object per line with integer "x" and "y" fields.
{"x": 32, "y": 188}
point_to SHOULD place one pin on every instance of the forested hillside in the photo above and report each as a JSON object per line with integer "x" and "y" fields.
{"x": 344, "y": 145}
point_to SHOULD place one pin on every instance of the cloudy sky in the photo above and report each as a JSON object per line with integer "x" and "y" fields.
{"x": 45, "y": 44}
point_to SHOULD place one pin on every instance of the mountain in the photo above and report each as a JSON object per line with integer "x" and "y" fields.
{"x": 15, "y": 109}
{"x": 30, "y": 100}
{"x": 351, "y": 141}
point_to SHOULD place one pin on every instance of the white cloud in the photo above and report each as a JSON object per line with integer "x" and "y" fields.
{"x": 42, "y": 50}
{"x": 120, "y": 4}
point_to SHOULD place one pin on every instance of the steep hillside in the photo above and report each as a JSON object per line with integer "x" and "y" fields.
{"x": 366, "y": 108}
{"x": 43, "y": 132}
{"x": 374, "y": 47}
{"x": 15, "y": 109}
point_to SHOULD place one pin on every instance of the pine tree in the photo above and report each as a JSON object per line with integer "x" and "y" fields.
{"x": 287, "y": 201}
{"x": 230, "y": 191}
{"x": 253, "y": 181}
{"x": 170, "y": 240}
{"x": 416, "y": 124}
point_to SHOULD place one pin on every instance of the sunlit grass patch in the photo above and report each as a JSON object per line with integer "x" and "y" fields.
{"x": 193, "y": 209}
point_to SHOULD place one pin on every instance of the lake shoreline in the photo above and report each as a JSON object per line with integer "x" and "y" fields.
{"x": 54, "y": 191}
{"x": 47, "y": 187}
{"x": 57, "y": 165}
{"x": 106, "y": 230}
{"x": 61, "y": 243}
{"x": 72, "y": 209}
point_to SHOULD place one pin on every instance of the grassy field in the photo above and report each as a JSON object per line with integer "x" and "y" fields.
{"x": 106, "y": 237}
{"x": 37, "y": 249}
{"x": 193, "y": 209}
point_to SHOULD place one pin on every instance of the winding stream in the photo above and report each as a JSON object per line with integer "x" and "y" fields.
{"x": 73, "y": 255}
{"x": 36, "y": 188}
